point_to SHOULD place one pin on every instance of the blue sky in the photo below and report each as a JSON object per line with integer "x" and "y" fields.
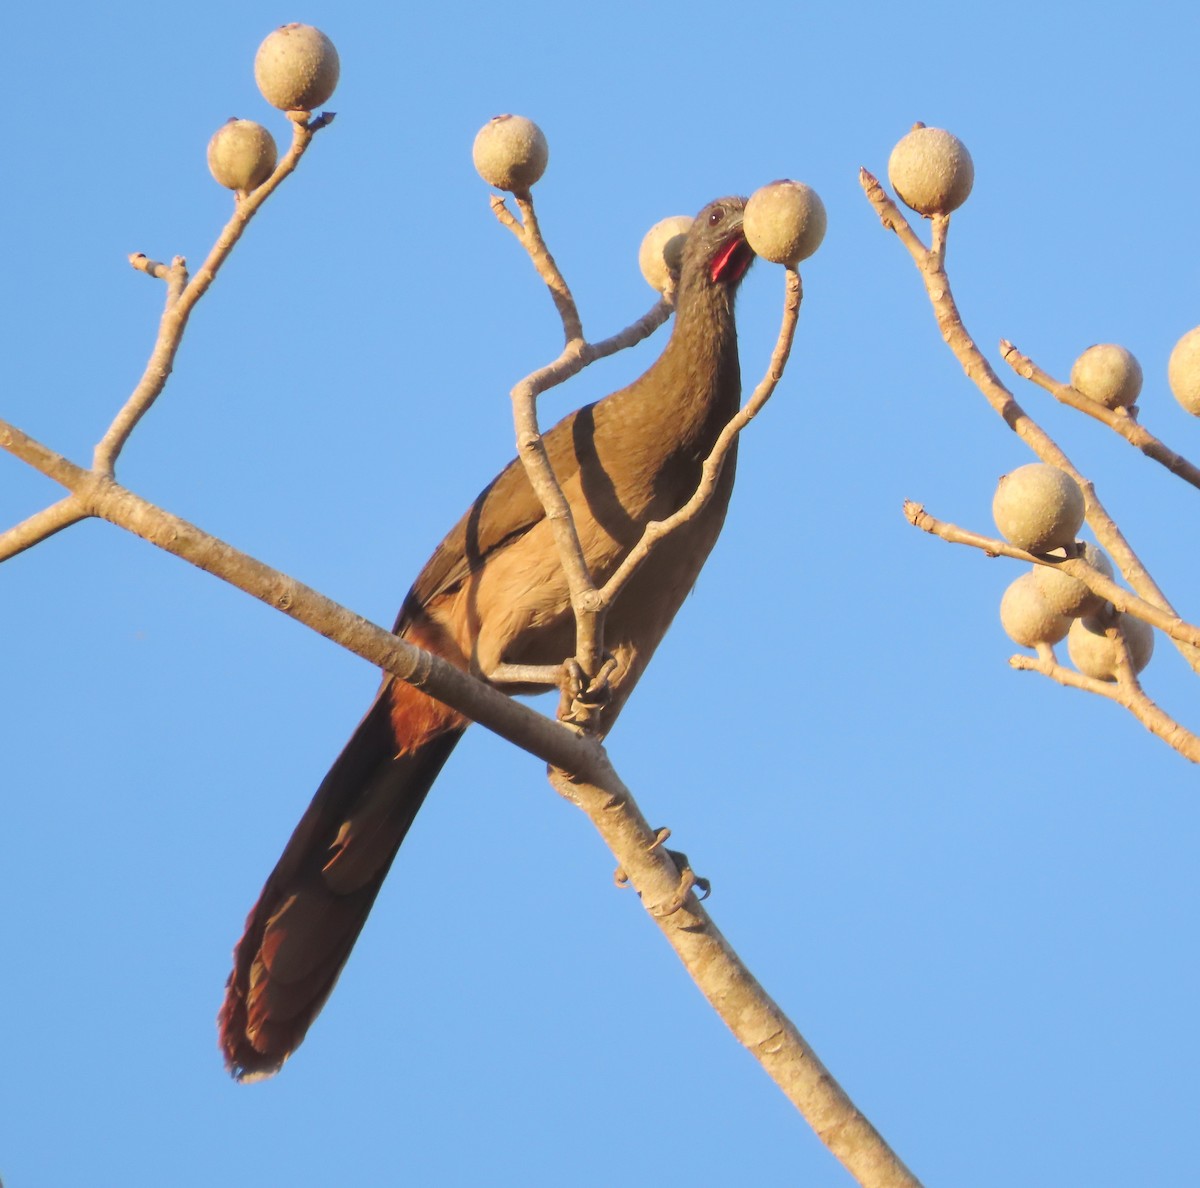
{"x": 972, "y": 890}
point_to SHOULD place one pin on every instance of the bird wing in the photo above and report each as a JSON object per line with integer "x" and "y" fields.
{"x": 504, "y": 511}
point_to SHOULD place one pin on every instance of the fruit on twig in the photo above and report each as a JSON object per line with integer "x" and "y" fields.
{"x": 1067, "y": 595}
{"x": 1095, "y": 655}
{"x": 1027, "y": 617}
{"x": 1108, "y": 374}
{"x": 241, "y": 155}
{"x": 510, "y": 153}
{"x": 931, "y": 170}
{"x": 785, "y": 222}
{"x": 296, "y": 68}
{"x": 1038, "y": 507}
{"x": 1183, "y": 371}
{"x": 661, "y": 251}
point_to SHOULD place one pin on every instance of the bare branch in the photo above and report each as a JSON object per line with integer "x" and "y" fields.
{"x": 711, "y": 472}
{"x": 1129, "y": 696}
{"x": 41, "y": 525}
{"x": 154, "y": 268}
{"x": 1119, "y": 419}
{"x": 99, "y": 495}
{"x": 937, "y": 285}
{"x": 939, "y": 233}
{"x": 162, "y": 359}
{"x": 529, "y": 232}
{"x": 730, "y": 988}
{"x": 183, "y": 293}
{"x": 634, "y": 333}
{"x": 1127, "y": 691}
{"x": 41, "y": 458}
{"x": 531, "y": 448}
{"x": 593, "y": 785}
{"x": 1178, "y": 629}
{"x": 589, "y": 604}
{"x": 576, "y": 354}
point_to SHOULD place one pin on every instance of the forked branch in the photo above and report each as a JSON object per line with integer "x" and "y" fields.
{"x": 1169, "y": 624}
{"x": 930, "y": 263}
{"x": 1119, "y": 420}
{"x": 651, "y": 870}
{"x": 589, "y": 603}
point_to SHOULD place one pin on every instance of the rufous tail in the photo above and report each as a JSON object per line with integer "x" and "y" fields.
{"x": 317, "y": 899}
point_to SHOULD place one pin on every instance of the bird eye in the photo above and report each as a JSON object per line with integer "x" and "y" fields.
{"x": 716, "y": 216}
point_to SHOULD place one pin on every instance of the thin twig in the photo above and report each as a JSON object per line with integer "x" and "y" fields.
{"x": 158, "y": 369}
{"x": 589, "y": 604}
{"x": 41, "y": 525}
{"x": 1129, "y": 696}
{"x": 576, "y": 354}
{"x": 1118, "y": 420}
{"x": 531, "y": 448}
{"x": 155, "y": 268}
{"x": 43, "y": 459}
{"x": 183, "y": 293}
{"x": 1127, "y": 691}
{"x": 634, "y": 333}
{"x": 529, "y": 232}
{"x": 548, "y": 269}
{"x": 1171, "y": 625}
{"x": 657, "y": 530}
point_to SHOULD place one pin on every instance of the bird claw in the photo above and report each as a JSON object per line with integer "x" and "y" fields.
{"x": 583, "y": 700}
{"x": 689, "y": 880}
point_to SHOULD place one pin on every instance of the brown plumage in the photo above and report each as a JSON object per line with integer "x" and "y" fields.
{"x": 494, "y": 592}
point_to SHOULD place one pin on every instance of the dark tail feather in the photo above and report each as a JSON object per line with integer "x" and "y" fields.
{"x": 317, "y": 899}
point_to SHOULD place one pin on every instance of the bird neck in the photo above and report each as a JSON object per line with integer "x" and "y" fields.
{"x": 699, "y": 367}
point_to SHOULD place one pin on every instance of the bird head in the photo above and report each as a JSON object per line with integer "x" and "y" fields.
{"x": 716, "y": 253}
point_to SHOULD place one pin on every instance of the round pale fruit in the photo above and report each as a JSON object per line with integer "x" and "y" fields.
{"x": 1108, "y": 374}
{"x": 241, "y": 155}
{"x": 1027, "y": 617}
{"x": 1067, "y": 595}
{"x": 1095, "y": 655}
{"x": 661, "y": 252}
{"x": 1038, "y": 507}
{"x": 296, "y": 68}
{"x": 510, "y": 153}
{"x": 1183, "y": 371}
{"x": 931, "y": 170}
{"x": 785, "y": 222}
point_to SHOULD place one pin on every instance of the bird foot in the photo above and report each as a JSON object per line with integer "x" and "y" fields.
{"x": 583, "y": 699}
{"x": 688, "y": 880}
{"x": 621, "y": 876}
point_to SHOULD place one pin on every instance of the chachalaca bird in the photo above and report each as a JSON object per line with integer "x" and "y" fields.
{"x": 494, "y": 592}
